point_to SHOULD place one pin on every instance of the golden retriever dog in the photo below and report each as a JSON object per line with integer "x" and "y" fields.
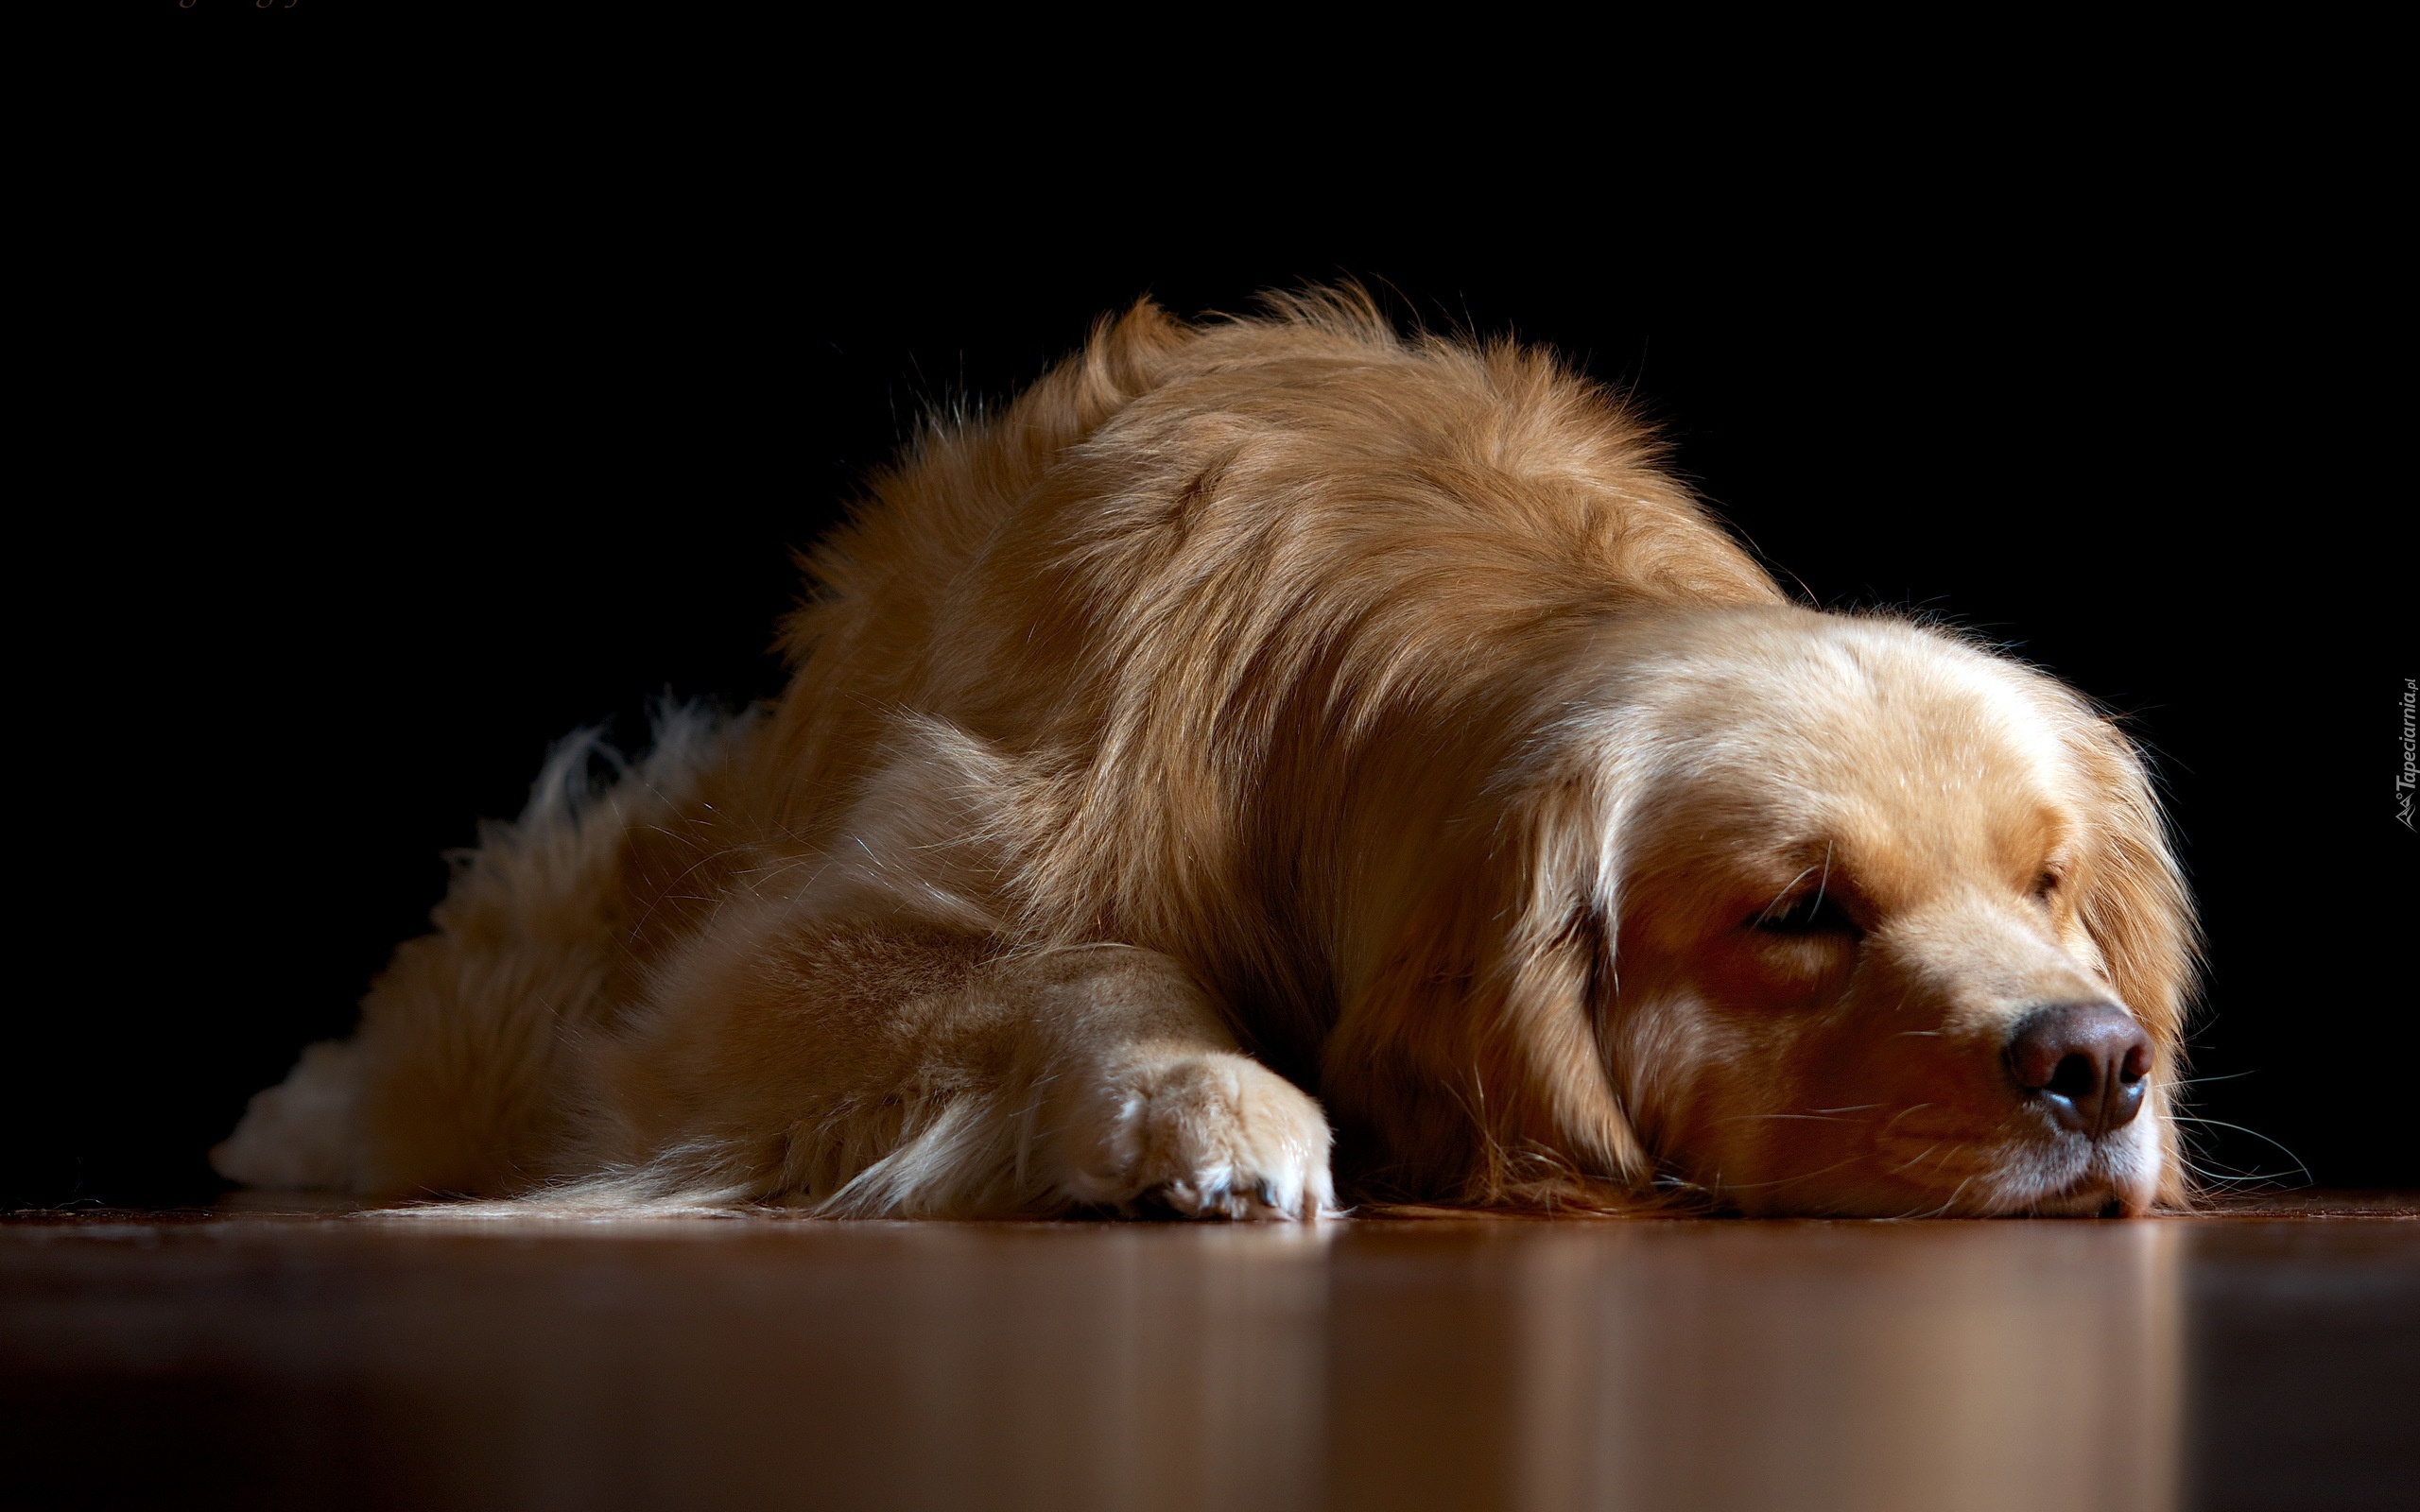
{"x": 1281, "y": 757}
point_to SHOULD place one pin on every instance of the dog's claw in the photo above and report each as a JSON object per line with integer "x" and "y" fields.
{"x": 1214, "y": 1136}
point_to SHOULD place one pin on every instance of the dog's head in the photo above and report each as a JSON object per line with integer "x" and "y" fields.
{"x": 1813, "y": 914}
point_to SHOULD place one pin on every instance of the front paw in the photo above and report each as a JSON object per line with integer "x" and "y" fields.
{"x": 1211, "y": 1136}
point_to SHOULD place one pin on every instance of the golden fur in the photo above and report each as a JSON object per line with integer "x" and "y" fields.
{"x": 1269, "y": 707}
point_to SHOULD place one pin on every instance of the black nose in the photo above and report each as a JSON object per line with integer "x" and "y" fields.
{"x": 2086, "y": 1061}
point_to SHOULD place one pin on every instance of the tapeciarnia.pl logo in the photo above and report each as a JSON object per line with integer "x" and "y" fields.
{"x": 2410, "y": 777}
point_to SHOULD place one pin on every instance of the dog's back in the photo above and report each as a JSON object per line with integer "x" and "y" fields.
{"x": 1200, "y": 580}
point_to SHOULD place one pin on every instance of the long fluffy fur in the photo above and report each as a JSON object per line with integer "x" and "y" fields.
{"x": 1274, "y": 652}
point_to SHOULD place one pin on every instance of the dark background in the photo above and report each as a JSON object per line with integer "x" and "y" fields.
{"x": 395, "y": 506}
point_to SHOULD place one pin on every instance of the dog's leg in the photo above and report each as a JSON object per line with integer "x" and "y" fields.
{"x": 1032, "y": 1083}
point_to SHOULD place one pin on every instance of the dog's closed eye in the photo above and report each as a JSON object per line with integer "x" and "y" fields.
{"x": 1812, "y": 912}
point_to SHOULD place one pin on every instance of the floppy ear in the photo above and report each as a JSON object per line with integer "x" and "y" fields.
{"x": 1471, "y": 1061}
{"x": 2135, "y": 904}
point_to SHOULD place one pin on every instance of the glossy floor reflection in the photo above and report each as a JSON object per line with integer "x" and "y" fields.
{"x": 2244, "y": 1360}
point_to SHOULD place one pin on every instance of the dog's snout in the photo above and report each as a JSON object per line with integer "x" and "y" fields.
{"x": 2086, "y": 1062}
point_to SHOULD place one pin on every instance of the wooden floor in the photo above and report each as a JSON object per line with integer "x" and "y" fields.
{"x": 2265, "y": 1358}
